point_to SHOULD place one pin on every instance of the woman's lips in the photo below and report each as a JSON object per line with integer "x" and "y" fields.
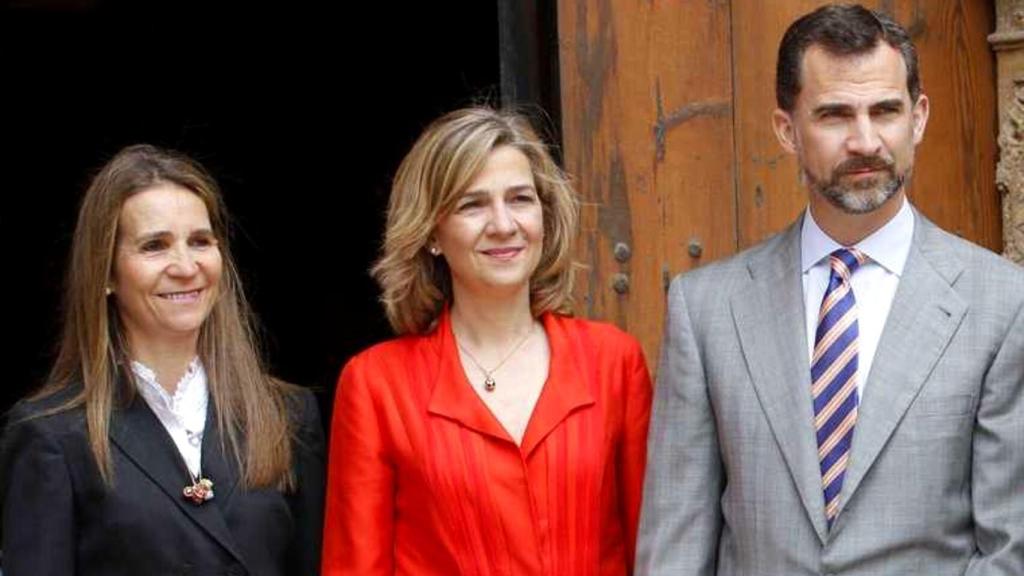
{"x": 183, "y": 296}
{"x": 503, "y": 253}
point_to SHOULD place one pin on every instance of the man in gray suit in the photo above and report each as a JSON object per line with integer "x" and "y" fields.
{"x": 848, "y": 396}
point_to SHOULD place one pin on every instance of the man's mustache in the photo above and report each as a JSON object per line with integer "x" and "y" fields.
{"x": 861, "y": 163}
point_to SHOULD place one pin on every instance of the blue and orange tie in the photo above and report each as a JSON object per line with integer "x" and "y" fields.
{"x": 834, "y": 375}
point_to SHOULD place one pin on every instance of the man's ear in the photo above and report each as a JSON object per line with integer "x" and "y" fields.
{"x": 920, "y": 115}
{"x": 785, "y": 131}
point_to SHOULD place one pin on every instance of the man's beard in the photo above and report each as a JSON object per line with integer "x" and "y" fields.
{"x": 859, "y": 197}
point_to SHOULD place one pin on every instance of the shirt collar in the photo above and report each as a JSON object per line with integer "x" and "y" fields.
{"x": 888, "y": 246}
{"x": 191, "y": 388}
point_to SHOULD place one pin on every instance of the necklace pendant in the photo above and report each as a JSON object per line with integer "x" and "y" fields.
{"x": 489, "y": 384}
{"x": 199, "y": 491}
{"x": 194, "y": 438}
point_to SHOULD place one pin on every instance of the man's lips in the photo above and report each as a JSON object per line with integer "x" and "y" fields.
{"x": 862, "y": 173}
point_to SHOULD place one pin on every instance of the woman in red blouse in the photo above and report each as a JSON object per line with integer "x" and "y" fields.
{"x": 497, "y": 435}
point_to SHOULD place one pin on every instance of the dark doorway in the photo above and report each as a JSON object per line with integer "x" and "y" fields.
{"x": 302, "y": 112}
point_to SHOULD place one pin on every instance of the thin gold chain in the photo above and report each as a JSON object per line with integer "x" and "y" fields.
{"x": 489, "y": 382}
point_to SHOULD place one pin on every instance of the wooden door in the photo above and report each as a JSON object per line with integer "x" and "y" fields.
{"x": 666, "y": 111}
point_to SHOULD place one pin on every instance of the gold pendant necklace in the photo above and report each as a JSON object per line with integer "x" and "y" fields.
{"x": 489, "y": 383}
{"x": 200, "y": 490}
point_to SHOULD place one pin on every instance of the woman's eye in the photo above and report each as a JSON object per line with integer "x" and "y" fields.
{"x": 152, "y": 246}
{"x": 202, "y": 242}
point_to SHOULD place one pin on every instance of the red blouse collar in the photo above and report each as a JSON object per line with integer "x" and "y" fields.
{"x": 565, "y": 390}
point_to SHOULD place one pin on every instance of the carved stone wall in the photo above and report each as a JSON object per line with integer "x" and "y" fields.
{"x": 1008, "y": 43}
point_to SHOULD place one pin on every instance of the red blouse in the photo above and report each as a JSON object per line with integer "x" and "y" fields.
{"x": 423, "y": 479}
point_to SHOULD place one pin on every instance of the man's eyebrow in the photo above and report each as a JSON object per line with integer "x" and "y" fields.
{"x": 830, "y": 107}
{"x": 889, "y": 104}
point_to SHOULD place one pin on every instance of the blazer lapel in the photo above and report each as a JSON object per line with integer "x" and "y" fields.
{"x": 137, "y": 432}
{"x": 216, "y": 465}
{"x": 925, "y": 314}
{"x": 770, "y": 320}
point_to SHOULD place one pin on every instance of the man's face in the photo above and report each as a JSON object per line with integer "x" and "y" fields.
{"x": 853, "y": 127}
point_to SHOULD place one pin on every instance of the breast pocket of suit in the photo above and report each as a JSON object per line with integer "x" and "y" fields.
{"x": 932, "y": 447}
{"x": 936, "y": 418}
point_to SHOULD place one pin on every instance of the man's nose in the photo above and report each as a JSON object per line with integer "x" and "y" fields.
{"x": 863, "y": 139}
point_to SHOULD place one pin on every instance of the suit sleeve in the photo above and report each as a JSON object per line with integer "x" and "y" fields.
{"x": 633, "y": 448}
{"x": 359, "y": 530}
{"x": 38, "y": 511}
{"x": 680, "y": 519}
{"x": 307, "y": 500}
{"x": 998, "y": 466}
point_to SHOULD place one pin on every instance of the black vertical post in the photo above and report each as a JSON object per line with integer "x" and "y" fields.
{"x": 528, "y": 54}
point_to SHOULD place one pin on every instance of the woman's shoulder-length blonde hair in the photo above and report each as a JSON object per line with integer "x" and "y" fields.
{"x": 93, "y": 350}
{"x": 441, "y": 164}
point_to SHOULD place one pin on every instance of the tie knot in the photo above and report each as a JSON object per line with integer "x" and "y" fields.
{"x": 845, "y": 261}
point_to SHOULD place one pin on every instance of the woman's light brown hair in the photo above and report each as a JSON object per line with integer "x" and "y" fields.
{"x": 441, "y": 164}
{"x": 93, "y": 350}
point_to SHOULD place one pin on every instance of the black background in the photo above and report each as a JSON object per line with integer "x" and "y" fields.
{"x": 302, "y": 113}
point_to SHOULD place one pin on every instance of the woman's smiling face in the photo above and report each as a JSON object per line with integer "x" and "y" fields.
{"x": 167, "y": 265}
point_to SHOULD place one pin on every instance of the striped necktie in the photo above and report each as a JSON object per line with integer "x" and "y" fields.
{"x": 834, "y": 375}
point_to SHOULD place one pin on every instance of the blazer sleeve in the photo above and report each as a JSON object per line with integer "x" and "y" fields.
{"x": 307, "y": 499}
{"x": 633, "y": 447}
{"x": 998, "y": 462}
{"x": 359, "y": 530}
{"x": 680, "y": 519}
{"x": 38, "y": 511}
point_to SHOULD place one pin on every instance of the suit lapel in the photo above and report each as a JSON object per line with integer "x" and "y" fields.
{"x": 925, "y": 314}
{"x": 770, "y": 320}
{"x": 137, "y": 432}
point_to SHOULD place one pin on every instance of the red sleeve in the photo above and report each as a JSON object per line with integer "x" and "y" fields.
{"x": 633, "y": 447}
{"x": 358, "y": 525}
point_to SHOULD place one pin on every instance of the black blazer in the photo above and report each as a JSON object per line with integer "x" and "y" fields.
{"x": 59, "y": 519}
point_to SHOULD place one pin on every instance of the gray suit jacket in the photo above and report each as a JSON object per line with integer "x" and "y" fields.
{"x": 936, "y": 473}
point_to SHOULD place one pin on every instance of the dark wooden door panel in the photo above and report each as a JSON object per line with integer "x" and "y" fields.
{"x": 666, "y": 110}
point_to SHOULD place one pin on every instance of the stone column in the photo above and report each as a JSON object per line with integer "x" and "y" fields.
{"x": 1008, "y": 43}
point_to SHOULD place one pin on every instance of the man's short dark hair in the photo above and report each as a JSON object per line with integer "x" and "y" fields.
{"x": 841, "y": 30}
